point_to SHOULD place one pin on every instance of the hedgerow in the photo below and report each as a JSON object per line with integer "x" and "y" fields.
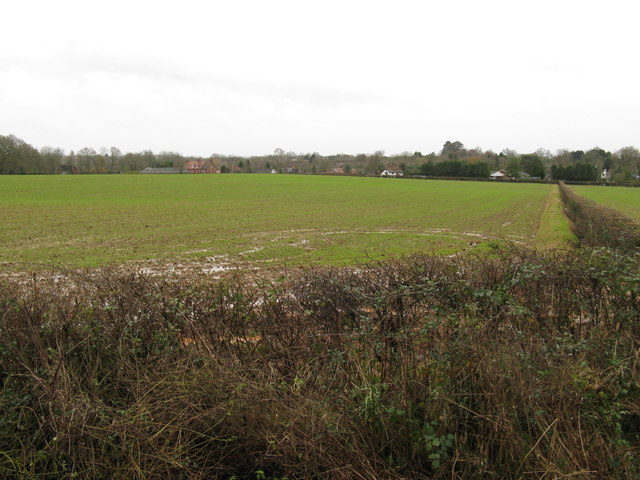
{"x": 600, "y": 226}
{"x": 515, "y": 364}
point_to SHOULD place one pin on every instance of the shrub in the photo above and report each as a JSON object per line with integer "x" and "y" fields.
{"x": 516, "y": 364}
{"x": 599, "y": 226}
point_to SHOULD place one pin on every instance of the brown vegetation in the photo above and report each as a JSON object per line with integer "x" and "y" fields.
{"x": 514, "y": 365}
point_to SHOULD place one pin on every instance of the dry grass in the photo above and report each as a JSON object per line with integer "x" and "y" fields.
{"x": 512, "y": 365}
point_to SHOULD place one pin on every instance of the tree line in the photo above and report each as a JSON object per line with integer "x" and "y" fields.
{"x": 453, "y": 168}
{"x": 17, "y": 157}
{"x": 583, "y": 172}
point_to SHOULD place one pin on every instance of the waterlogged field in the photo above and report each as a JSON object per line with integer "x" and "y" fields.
{"x": 84, "y": 221}
{"x": 623, "y": 199}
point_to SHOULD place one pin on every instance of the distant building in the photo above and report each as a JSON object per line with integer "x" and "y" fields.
{"x": 498, "y": 175}
{"x": 200, "y": 166}
{"x": 605, "y": 175}
{"x": 392, "y": 171}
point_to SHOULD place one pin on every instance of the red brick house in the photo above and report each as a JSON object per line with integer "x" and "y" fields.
{"x": 200, "y": 166}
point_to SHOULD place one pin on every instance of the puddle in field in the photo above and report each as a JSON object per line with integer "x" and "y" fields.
{"x": 284, "y": 234}
{"x": 251, "y": 250}
{"x": 300, "y": 243}
{"x": 214, "y": 267}
{"x": 279, "y": 234}
{"x": 211, "y": 267}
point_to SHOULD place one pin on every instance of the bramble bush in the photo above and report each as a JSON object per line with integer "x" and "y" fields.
{"x": 513, "y": 364}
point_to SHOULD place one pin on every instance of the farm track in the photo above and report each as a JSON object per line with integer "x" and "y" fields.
{"x": 553, "y": 231}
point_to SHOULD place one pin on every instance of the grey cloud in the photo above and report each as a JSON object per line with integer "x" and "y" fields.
{"x": 78, "y": 64}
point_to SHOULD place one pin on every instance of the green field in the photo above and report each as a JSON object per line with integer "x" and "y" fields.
{"x": 83, "y": 221}
{"x": 623, "y": 199}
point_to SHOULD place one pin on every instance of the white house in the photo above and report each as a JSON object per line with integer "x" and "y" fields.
{"x": 391, "y": 173}
{"x": 499, "y": 174}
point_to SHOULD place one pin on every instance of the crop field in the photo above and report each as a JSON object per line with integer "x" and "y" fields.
{"x": 87, "y": 221}
{"x": 623, "y": 199}
{"x": 427, "y": 366}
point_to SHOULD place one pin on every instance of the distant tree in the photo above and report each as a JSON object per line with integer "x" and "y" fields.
{"x": 374, "y": 165}
{"x": 101, "y": 162}
{"x": 85, "y": 158}
{"x": 509, "y": 153}
{"x": 452, "y": 147}
{"x": 543, "y": 153}
{"x": 132, "y": 162}
{"x": 628, "y": 163}
{"x": 513, "y": 168}
{"x": 114, "y": 158}
{"x": 448, "y": 168}
{"x": 169, "y": 160}
{"x": 52, "y": 159}
{"x": 427, "y": 168}
{"x": 531, "y": 163}
{"x": 583, "y": 172}
{"x": 577, "y": 155}
{"x": 477, "y": 170}
{"x": 18, "y": 157}
{"x": 148, "y": 157}
{"x": 562, "y": 157}
{"x": 455, "y": 168}
{"x": 599, "y": 157}
{"x": 323, "y": 166}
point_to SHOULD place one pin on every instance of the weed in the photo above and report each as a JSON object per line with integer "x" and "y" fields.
{"x": 490, "y": 366}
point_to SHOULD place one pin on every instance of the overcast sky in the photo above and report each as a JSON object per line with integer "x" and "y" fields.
{"x": 246, "y": 77}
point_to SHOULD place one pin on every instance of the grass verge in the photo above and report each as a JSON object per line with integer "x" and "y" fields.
{"x": 554, "y": 231}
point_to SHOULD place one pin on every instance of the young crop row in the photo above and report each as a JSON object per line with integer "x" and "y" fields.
{"x": 516, "y": 364}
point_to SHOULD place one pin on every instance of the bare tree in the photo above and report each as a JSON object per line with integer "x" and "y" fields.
{"x": 84, "y": 159}
{"x": 114, "y": 158}
{"x": 51, "y": 159}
